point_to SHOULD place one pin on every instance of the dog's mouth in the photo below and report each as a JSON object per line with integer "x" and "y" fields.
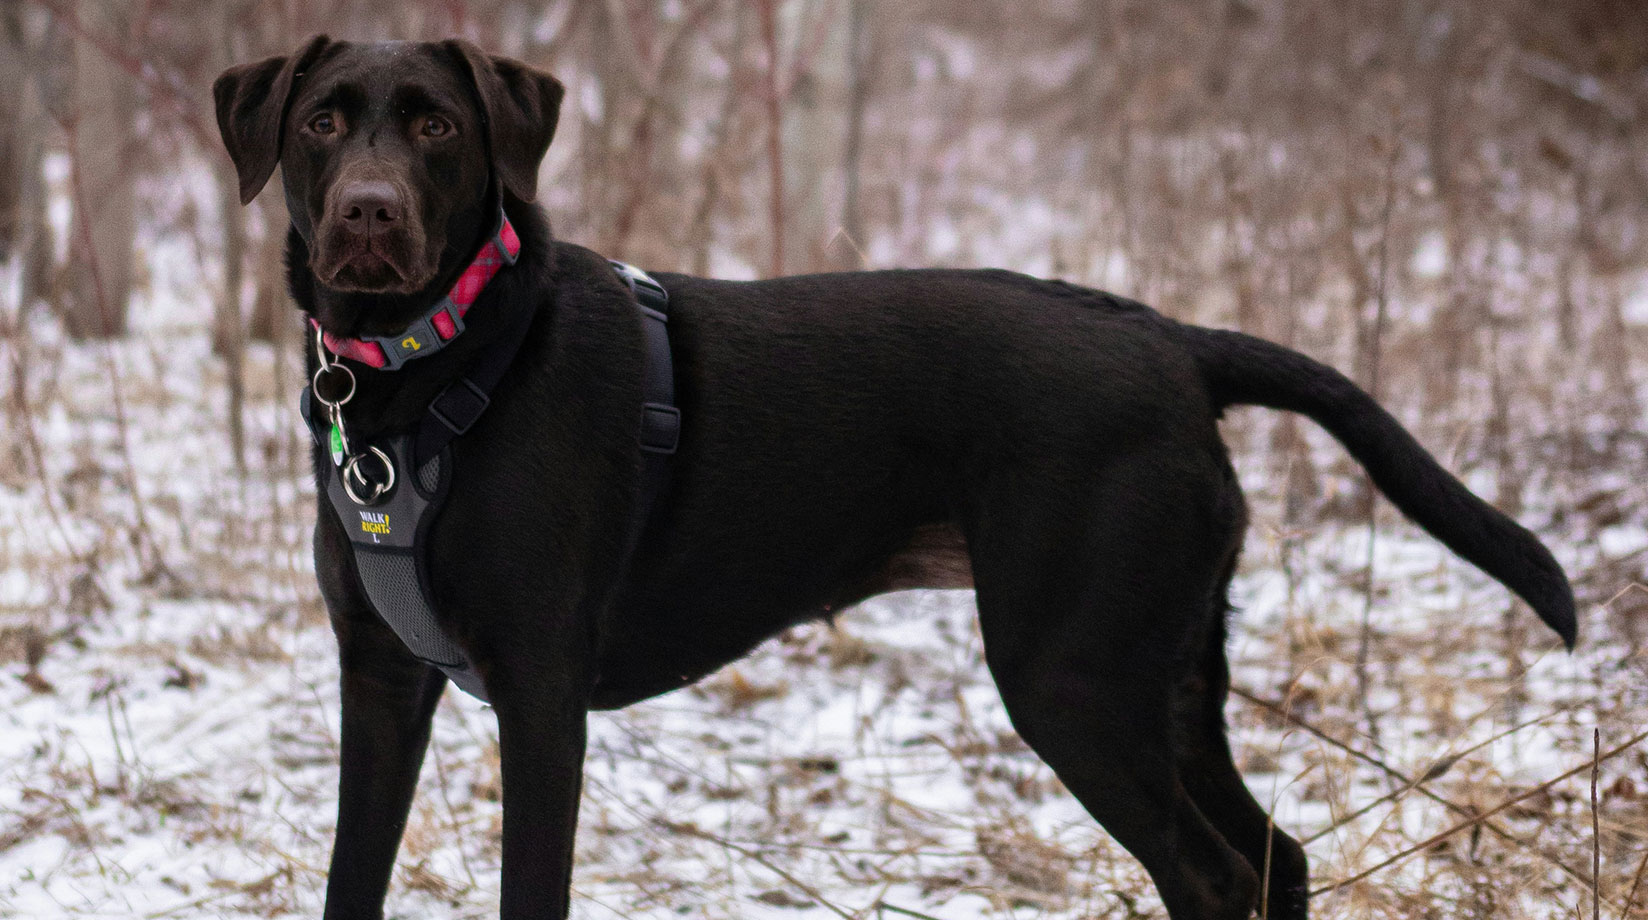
{"x": 377, "y": 266}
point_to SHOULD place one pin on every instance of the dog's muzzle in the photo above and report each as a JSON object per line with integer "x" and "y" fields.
{"x": 371, "y": 240}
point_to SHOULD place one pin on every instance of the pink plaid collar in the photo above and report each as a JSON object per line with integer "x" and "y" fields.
{"x": 431, "y": 332}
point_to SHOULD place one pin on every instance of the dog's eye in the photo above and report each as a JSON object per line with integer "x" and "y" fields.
{"x": 436, "y": 126}
{"x": 323, "y": 123}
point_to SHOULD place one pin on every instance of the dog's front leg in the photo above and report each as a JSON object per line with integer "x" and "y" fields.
{"x": 389, "y": 699}
{"x": 541, "y": 695}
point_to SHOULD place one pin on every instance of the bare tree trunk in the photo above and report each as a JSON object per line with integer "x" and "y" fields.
{"x": 861, "y": 59}
{"x": 24, "y": 231}
{"x": 775, "y": 133}
{"x": 269, "y": 307}
{"x": 815, "y": 131}
{"x": 228, "y": 325}
{"x": 702, "y": 232}
{"x": 15, "y": 134}
{"x": 1301, "y": 489}
{"x": 228, "y": 320}
{"x": 101, "y": 142}
{"x": 1615, "y": 360}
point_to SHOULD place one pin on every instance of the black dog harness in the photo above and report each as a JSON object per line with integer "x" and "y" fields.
{"x": 388, "y": 494}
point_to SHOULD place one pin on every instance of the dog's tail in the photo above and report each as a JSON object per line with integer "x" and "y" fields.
{"x": 1242, "y": 370}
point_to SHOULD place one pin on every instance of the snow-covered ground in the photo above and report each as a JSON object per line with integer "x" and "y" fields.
{"x": 168, "y": 709}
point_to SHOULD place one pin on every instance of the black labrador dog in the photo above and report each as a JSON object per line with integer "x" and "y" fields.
{"x": 1054, "y": 448}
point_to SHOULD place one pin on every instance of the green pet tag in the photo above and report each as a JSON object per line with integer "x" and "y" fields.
{"x": 337, "y": 446}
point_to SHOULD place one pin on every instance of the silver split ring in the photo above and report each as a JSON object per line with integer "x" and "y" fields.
{"x": 314, "y": 384}
{"x": 352, "y": 473}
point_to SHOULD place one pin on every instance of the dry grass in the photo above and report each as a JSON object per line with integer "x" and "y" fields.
{"x": 854, "y": 770}
{"x": 172, "y": 740}
{"x": 1431, "y": 203}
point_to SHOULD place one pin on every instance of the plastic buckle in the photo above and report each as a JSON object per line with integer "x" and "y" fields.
{"x": 416, "y": 341}
{"x": 451, "y": 310}
{"x": 509, "y": 258}
{"x": 660, "y": 428}
{"x": 460, "y": 425}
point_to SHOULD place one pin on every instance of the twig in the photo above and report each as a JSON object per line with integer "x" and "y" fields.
{"x": 1596, "y": 827}
{"x": 1631, "y": 899}
{"x": 1418, "y": 784}
{"x": 31, "y": 440}
{"x": 1434, "y": 839}
{"x": 1435, "y": 771}
{"x": 842, "y": 234}
{"x": 1375, "y": 347}
{"x": 883, "y": 905}
{"x": 1264, "y": 889}
{"x": 748, "y": 853}
{"x": 452, "y": 812}
{"x": 192, "y": 905}
{"x": 859, "y": 43}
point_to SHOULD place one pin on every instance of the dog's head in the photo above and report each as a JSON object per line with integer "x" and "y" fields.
{"x": 393, "y": 154}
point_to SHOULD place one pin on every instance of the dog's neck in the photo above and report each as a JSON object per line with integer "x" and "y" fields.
{"x": 392, "y": 400}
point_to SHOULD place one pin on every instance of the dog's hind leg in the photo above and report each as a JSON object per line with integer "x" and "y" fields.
{"x": 1214, "y": 783}
{"x": 1089, "y": 596}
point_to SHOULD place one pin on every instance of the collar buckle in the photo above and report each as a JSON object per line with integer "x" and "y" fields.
{"x": 424, "y": 337}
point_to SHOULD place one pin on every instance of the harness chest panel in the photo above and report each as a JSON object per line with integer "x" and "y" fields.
{"x": 388, "y": 536}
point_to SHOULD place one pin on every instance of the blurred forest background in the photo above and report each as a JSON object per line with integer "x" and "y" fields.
{"x": 1448, "y": 199}
{"x": 1444, "y": 197}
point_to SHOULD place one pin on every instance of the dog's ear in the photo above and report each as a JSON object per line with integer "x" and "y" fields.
{"x": 521, "y": 106}
{"x": 251, "y": 108}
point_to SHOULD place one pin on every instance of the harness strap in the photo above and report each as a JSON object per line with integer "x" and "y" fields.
{"x": 660, "y": 418}
{"x": 459, "y": 406}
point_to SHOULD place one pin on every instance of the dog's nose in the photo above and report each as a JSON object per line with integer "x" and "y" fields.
{"x": 365, "y": 203}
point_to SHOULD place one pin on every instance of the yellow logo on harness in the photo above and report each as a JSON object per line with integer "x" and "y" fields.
{"x": 411, "y": 342}
{"x": 374, "y": 523}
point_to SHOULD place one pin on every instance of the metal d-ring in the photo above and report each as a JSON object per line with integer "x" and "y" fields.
{"x": 352, "y": 473}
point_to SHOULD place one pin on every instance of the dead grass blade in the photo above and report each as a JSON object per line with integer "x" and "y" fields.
{"x": 806, "y": 889}
{"x": 883, "y": 905}
{"x": 1636, "y": 882}
{"x": 1432, "y": 840}
{"x": 1418, "y": 784}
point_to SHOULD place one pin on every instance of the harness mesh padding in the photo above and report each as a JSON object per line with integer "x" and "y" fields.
{"x": 429, "y": 475}
{"x": 391, "y": 582}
